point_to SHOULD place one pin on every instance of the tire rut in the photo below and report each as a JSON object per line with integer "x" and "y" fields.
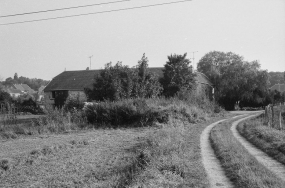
{"x": 214, "y": 170}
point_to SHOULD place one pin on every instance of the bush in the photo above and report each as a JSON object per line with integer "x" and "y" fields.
{"x": 121, "y": 113}
{"x": 73, "y": 103}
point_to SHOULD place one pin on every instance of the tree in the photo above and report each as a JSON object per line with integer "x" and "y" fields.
{"x": 177, "y": 75}
{"x": 5, "y": 97}
{"x": 113, "y": 83}
{"x": 235, "y": 79}
{"x": 121, "y": 82}
{"x": 16, "y": 77}
{"x": 146, "y": 84}
{"x": 276, "y": 78}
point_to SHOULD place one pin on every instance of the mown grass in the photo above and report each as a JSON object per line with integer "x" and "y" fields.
{"x": 268, "y": 139}
{"x": 240, "y": 167}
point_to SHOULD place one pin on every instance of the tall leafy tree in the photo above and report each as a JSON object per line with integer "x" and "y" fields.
{"x": 113, "y": 83}
{"x": 146, "y": 83}
{"x": 235, "y": 79}
{"x": 177, "y": 75}
{"x": 16, "y": 77}
{"x": 121, "y": 82}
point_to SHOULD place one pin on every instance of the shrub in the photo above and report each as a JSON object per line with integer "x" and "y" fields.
{"x": 73, "y": 103}
{"x": 125, "y": 112}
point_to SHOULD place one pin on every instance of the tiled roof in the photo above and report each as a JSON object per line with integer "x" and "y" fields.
{"x": 78, "y": 80}
{"x": 72, "y": 80}
{"x": 27, "y": 88}
{"x": 278, "y": 87}
{"x": 203, "y": 79}
{"x": 11, "y": 90}
{"x": 24, "y": 87}
{"x": 19, "y": 86}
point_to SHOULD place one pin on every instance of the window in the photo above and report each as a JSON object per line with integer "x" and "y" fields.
{"x": 52, "y": 94}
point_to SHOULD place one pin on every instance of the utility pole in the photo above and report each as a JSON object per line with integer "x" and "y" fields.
{"x": 90, "y": 57}
{"x": 193, "y": 59}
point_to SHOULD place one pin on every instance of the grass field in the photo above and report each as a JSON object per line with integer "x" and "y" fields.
{"x": 147, "y": 157}
{"x": 162, "y": 153}
{"x": 240, "y": 167}
{"x": 99, "y": 158}
{"x": 268, "y": 139}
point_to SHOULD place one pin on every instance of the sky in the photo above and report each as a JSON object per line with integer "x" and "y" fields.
{"x": 254, "y": 29}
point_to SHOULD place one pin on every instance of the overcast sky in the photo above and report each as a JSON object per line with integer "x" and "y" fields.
{"x": 254, "y": 29}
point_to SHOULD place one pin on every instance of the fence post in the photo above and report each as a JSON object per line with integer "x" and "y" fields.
{"x": 272, "y": 122}
{"x": 265, "y": 115}
{"x": 268, "y": 115}
{"x": 280, "y": 123}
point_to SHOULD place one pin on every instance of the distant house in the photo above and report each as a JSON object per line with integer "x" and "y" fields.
{"x": 278, "y": 87}
{"x": 24, "y": 88}
{"x": 15, "y": 93}
{"x": 72, "y": 84}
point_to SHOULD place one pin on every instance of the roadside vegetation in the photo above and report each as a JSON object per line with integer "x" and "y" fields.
{"x": 269, "y": 140}
{"x": 240, "y": 167}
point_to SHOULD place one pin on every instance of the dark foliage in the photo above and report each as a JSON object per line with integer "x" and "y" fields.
{"x": 5, "y": 97}
{"x": 177, "y": 75}
{"x": 29, "y": 106}
{"x": 73, "y": 103}
{"x": 121, "y": 82}
{"x": 122, "y": 113}
{"x": 276, "y": 78}
{"x": 236, "y": 80}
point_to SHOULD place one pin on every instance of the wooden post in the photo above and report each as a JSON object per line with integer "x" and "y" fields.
{"x": 280, "y": 117}
{"x": 269, "y": 115}
{"x": 265, "y": 115}
{"x": 272, "y": 109}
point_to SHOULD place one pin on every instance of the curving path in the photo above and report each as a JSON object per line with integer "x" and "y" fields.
{"x": 216, "y": 174}
{"x": 271, "y": 164}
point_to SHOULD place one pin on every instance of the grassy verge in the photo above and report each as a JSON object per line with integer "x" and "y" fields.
{"x": 173, "y": 150}
{"x": 269, "y": 140}
{"x": 241, "y": 168}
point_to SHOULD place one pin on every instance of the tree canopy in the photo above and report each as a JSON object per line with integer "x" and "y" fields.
{"x": 121, "y": 82}
{"x": 177, "y": 75}
{"x": 276, "y": 78}
{"x": 235, "y": 80}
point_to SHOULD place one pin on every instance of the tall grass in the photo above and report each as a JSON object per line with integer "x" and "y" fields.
{"x": 173, "y": 151}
